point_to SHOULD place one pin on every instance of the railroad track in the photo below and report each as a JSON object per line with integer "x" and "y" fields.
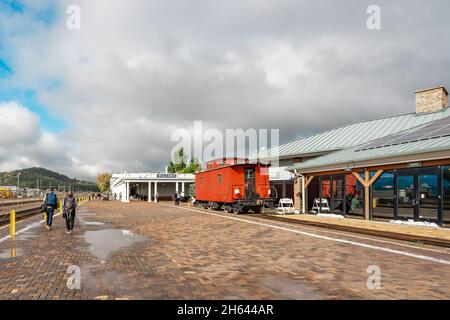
{"x": 20, "y": 214}
{"x": 15, "y": 202}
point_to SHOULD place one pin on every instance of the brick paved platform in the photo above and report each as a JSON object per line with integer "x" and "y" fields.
{"x": 143, "y": 250}
{"x": 432, "y": 235}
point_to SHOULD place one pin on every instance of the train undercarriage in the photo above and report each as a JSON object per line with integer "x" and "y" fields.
{"x": 238, "y": 206}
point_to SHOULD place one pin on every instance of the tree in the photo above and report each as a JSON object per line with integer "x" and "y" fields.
{"x": 179, "y": 160}
{"x": 103, "y": 181}
{"x": 171, "y": 168}
{"x": 178, "y": 165}
{"x": 192, "y": 190}
{"x": 193, "y": 167}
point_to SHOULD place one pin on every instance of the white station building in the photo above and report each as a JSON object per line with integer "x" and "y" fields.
{"x": 144, "y": 186}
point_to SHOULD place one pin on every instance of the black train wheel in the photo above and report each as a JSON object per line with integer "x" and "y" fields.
{"x": 236, "y": 209}
{"x": 257, "y": 209}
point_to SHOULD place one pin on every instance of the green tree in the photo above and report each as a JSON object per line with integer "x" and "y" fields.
{"x": 193, "y": 167}
{"x": 178, "y": 163}
{"x": 103, "y": 181}
{"x": 179, "y": 160}
{"x": 171, "y": 168}
{"x": 192, "y": 190}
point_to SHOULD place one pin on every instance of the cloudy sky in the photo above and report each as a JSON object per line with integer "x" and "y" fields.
{"x": 108, "y": 96}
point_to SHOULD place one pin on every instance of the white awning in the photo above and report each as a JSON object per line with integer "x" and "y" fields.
{"x": 280, "y": 174}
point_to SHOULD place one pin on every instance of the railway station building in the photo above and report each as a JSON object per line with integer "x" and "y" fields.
{"x": 326, "y": 165}
{"x": 144, "y": 186}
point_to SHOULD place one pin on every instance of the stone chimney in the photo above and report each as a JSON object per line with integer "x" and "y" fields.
{"x": 431, "y": 100}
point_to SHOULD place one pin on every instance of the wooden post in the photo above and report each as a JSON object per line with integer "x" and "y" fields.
{"x": 308, "y": 181}
{"x": 367, "y": 183}
{"x": 298, "y": 193}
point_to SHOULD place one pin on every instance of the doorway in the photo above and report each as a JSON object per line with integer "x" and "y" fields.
{"x": 250, "y": 184}
{"x": 418, "y": 194}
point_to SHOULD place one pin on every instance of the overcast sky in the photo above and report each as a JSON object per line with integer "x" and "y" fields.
{"x": 108, "y": 96}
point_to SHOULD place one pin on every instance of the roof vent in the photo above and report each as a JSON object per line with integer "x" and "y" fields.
{"x": 431, "y": 100}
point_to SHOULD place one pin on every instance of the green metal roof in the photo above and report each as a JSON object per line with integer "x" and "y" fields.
{"x": 357, "y": 153}
{"x": 352, "y": 135}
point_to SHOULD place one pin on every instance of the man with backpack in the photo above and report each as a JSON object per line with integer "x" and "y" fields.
{"x": 69, "y": 206}
{"x": 51, "y": 204}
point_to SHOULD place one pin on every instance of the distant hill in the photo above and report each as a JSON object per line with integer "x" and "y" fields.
{"x": 29, "y": 178}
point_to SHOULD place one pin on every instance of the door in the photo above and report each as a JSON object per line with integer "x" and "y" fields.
{"x": 249, "y": 180}
{"x": 338, "y": 194}
{"x": 428, "y": 194}
{"x": 406, "y": 195}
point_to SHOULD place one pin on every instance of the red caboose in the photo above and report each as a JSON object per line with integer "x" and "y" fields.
{"x": 234, "y": 186}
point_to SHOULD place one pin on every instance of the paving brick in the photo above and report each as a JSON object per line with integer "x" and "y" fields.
{"x": 189, "y": 255}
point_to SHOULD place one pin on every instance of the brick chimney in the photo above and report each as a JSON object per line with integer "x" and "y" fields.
{"x": 431, "y": 100}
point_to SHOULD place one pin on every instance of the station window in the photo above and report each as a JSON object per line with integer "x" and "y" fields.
{"x": 383, "y": 198}
{"x": 201, "y": 180}
{"x": 219, "y": 178}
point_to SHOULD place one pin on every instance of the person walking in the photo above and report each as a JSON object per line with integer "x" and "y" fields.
{"x": 157, "y": 197}
{"x": 51, "y": 203}
{"x": 177, "y": 199}
{"x": 69, "y": 207}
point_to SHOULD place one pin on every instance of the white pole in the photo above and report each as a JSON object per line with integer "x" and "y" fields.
{"x": 156, "y": 189}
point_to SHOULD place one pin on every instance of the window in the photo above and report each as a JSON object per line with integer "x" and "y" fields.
{"x": 383, "y": 196}
{"x": 201, "y": 180}
{"x": 354, "y": 196}
{"x": 219, "y": 178}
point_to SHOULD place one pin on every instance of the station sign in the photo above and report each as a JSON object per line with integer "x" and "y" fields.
{"x": 166, "y": 175}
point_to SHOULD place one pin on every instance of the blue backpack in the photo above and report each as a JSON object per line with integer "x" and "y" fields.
{"x": 51, "y": 199}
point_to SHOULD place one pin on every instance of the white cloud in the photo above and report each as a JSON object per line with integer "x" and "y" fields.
{"x": 136, "y": 71}
{"x": 18, "y": 125}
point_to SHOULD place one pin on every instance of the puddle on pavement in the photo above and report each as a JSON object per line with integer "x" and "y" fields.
{"x": 292, "y": 289}
{"x": 26, "y": 236}
{"x": 92, "y": 223}
{"x": 12, "y": 252}
{"x": 104, "y": 242}
{"x": 85, "y": 214}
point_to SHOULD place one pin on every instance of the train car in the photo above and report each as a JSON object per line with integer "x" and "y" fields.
{"x": 234, "y": 187}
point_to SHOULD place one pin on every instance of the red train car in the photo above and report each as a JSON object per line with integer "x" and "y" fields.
{"x": 234, "y": 187}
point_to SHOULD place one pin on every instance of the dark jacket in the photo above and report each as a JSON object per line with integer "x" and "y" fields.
{"x": 69, "y": 202}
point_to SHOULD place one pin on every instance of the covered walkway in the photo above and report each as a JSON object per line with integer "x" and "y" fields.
{"x": 145, "y": 186}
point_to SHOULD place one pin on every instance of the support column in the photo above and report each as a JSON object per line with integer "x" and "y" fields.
{"x": 156, "y": 189}
{"x": 127, "y": 193}
{"x": 176, "y": 187}
{"x": 182, "y": 188}
{"x": 298, "y": 194}
{"x": 367, "y": 183}
{"x": 149, "y": 191}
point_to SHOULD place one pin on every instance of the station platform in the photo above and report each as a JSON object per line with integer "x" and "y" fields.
{"x": 141, "y": 250}
{"x": 424, "y": 234}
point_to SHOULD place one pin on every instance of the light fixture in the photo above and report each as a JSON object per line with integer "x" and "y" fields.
{"x": 350, "y": 166}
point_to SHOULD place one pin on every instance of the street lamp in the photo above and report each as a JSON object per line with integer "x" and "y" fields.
{"x": 18, "y": 182}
